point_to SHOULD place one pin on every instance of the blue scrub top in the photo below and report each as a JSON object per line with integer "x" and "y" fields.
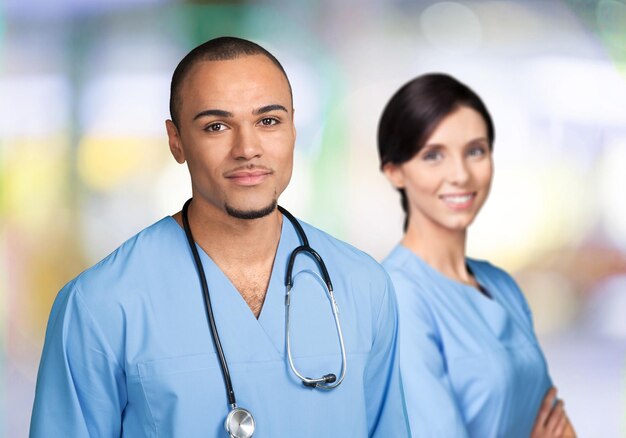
{"x": 471, "y": 366}
{"x": 128, "y": 351}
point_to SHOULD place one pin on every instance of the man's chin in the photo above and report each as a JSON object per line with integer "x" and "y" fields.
{"x": 247, "y": 213}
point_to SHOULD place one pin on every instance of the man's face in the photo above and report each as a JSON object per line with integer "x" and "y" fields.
{"x": 236, "y": 133}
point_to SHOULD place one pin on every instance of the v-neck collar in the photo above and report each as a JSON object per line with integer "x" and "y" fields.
{"x": 263, "y": 338}
{"x": 439, "y": 277}
{"x": 496, "y": 312}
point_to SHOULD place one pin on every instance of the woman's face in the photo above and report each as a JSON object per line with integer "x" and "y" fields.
{"x": 448, "y": 180}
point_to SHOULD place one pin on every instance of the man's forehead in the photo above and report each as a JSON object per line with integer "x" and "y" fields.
{"x": 243, "y": 69}
{"x": 249, "y": 77}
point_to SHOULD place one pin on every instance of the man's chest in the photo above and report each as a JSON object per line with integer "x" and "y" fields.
{"x": 251, "y": 283}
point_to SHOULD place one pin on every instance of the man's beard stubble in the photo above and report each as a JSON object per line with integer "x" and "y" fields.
{"x": 250, "y": 214}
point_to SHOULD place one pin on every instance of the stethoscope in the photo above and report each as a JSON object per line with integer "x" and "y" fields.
{"x": 239, "y": 422}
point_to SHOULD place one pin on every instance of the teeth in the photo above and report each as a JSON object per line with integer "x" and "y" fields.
{"x": 457, "y": 199}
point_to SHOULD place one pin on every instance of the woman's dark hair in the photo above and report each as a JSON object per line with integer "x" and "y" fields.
{"x": 413, "y": 113}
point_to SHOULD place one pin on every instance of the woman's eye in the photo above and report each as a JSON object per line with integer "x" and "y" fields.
{"x": 268, "y": 121}
{"x": 215, "y": 127}
{"x": 477, "y": 151}
{"x": 431, "y": 156}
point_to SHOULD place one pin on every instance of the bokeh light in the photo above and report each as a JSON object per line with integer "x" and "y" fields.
{"x": 85, "y": 164}
{"x": 451, "y": 26}
{"x": 610, "y": 189}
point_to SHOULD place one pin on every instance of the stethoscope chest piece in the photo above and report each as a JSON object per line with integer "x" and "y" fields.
{"x": 239, "y": 423}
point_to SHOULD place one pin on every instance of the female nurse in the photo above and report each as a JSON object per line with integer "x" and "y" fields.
{"x": 470, "y": 361}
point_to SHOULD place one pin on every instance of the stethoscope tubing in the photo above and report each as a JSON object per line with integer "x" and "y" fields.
{"x": 322, "y": 382}
{"x": 209, "y": 309}
{"x": 305, "y": 247}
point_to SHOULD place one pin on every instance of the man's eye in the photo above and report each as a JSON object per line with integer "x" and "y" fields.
{"x": 215, "y": 127}
{"x": 268, "y": 121}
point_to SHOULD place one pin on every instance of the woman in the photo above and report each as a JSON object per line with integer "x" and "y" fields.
{"x": 470, "y": 361}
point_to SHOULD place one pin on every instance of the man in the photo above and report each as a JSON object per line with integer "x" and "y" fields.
{"x": 128, "y": 350}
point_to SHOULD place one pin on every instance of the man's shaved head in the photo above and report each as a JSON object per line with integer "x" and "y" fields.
{"x": 218, "y": 49}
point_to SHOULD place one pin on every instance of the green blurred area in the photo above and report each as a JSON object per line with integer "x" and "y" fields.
{"x": 70, "y": 192}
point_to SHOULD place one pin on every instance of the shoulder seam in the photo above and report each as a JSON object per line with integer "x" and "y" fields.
{"x": 83, "y": 304}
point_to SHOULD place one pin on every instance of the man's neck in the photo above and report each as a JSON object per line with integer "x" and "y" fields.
{"x": 243, "y": 249}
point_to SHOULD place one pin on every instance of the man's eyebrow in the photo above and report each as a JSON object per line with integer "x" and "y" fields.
{"x": 268, "y": 108}
{"x": 213, "y": 112}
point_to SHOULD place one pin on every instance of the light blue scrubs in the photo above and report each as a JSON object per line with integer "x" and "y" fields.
{"x": 128, "y": 351}
{"x": 471, "y": 366}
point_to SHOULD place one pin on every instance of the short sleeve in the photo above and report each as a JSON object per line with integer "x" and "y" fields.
{"x": 386, "y": 410}
{"x": 519, "y": 298}
{"x": 81, "y": 388}
{"x": 527, "y": 312}
{"x": 431, "y": 403}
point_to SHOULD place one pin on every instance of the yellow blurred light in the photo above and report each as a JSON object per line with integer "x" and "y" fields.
{"x": 106, "y": 163}
{"x": 34, "y": 181}
{"x": 531, "y": 211}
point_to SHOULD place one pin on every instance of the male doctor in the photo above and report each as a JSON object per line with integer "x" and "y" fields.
{"x": 129, "y": 349}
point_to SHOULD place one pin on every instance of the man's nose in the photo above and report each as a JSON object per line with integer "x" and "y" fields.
{"x": 247, "y": 144}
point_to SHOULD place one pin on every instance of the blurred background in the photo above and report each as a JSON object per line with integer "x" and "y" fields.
{"x": 84, "y": 161}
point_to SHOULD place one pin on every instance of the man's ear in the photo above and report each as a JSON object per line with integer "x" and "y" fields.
{"x": 176, "y": 146}
{"x": 394, "y": 174}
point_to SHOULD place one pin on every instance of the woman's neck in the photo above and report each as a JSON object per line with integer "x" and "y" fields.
{"x": 443, "y": 249}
